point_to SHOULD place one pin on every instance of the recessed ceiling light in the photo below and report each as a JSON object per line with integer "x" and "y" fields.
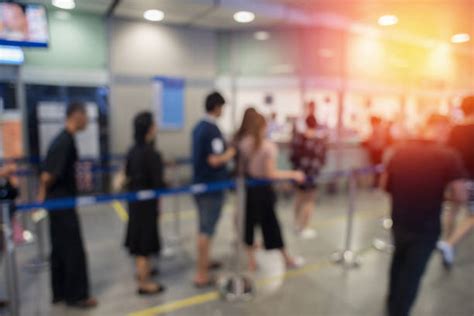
{"x": 244, "y": 16}
{"x": 460, "y": 38}
{"x": 154, "y": 15}
{"x": 64, "y": 4}
{"x": 261, "y": 35}
{"x": 387, "y": 20}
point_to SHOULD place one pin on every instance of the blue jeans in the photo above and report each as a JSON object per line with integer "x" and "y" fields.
{"x": 210, "y": 208}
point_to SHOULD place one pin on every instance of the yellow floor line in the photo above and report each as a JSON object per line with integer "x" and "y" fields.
{"x": 177, "y": 305}
{"x": 120, "y": 210}
{"x": 214, "y": 295}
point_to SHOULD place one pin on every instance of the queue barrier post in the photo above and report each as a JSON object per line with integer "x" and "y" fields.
{"x": 238, "y": 286}
{"x": 11, "y": 272}
{"x": 41, "y": 262}
{"x": 346, "y": 257}
{"x": 384, "y": 244}
{"x": 175, "y": 243}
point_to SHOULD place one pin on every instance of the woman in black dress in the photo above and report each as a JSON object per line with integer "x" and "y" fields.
{"x": 144, "y": 171}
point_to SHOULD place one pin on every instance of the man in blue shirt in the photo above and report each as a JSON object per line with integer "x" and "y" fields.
{"x": 210, "y": 157}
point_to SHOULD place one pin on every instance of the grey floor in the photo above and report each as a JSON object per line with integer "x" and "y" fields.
{"x": 319, "y": 288}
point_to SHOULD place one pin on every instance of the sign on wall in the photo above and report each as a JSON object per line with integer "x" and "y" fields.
{"x": 11, "y": 136}
{"x": 168, "y": 102}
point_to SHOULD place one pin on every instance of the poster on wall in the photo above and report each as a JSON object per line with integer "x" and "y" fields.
{"x": 51, "y": 117}
{"x": 11, "y": 137}
{"x": 168, "y": 103}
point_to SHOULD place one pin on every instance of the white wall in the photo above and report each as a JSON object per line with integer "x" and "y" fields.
{"x": 139, "y": 51}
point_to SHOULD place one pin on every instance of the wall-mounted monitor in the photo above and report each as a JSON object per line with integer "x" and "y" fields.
{"x": 23, "y": 25}
{"x": 11, "y": 55}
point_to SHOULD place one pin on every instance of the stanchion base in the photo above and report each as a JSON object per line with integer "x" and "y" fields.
{"x": 347, "y": 259}
{"x": 382, "y": 245}
{"x": 237, "y": 288}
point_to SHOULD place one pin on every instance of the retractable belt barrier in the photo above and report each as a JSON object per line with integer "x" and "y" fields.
{"x": 345, "y": 257}
{"x": 200, "y": 188}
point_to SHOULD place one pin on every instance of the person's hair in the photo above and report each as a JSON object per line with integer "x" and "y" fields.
{"x": 75, "y": 107}
{"x": 213, "y": 101}
{"x": 255, "y": 130}
{"x": 141, "y": 126}
{"x": 247, "y": 122}
{"x": 467, "y": 105}
{"x": 375, "y": 120}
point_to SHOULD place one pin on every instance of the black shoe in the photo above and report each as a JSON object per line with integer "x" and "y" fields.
{"x": 4, "y": 303}
{"x": 159, "y": 290}
{"x": 215, "y": 265}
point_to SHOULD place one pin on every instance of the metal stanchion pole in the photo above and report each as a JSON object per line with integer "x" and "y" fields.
{"x": 347, "y": 257}
{"x": 382, "y": 244}
{"x": 176, "y": 240}
{"x": 11, "y": 273}
{"x": 238, "y": 287}
{"x": 40, "y": 263}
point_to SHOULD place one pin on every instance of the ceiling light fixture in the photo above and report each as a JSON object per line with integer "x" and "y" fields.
{"x": 244, "y": 16}
{"x": 261, "y": 35}
{"x": 64, "y": 4}
{"x": 460, "y": 38}
{"x": 388, "y": 20}
{"x": 154, "y": 15}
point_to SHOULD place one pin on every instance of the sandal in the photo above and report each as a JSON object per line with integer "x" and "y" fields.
{"x": 160, "y": 289}
{"x": 215, "y": 265}
{"x": 203, "y": 285}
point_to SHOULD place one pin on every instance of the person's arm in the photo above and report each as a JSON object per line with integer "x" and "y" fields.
{"x": 456, "y": 173}
{"x": 459, "y": 193}
{"x": 383, "y": 182}
{"x": 7, "y": 171}
{"x": 156, "y": 169}
{"x": 216, "y": 160}
{"x": 45, "y": 182}
{"x": 54, "y": 167}
{"x": 273, "y": 173}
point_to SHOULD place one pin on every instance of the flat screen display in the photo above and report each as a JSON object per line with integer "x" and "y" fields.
{"x": 11, "y": 55}
{"x": 23, "y": 25}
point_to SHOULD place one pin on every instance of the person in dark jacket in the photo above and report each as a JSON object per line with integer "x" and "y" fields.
{"x": 417, "y": 177}
{"x": 144, "y": 171}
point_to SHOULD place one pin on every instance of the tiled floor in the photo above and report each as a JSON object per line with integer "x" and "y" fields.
{"x": 319, "y": 288}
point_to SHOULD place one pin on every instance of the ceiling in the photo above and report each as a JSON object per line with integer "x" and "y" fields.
{"x": 434, "y": 19}
{"x": 428, "y": 18}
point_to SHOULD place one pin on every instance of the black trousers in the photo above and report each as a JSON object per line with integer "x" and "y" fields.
{"x": 69, "y": 279}
{"x": 260, "y": 211}
{"x": 412, "y": 253}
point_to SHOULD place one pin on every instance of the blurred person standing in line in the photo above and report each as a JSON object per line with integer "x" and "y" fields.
{"x": 462, "y": 140}
{"x": 258, "y": 156}
{"x": 69, "y": 275}
{"x": 308, "y": 155}
{"x": 417, "y": 177}
{"x": 377, "y": 143}
{"x": 210, "y": 155}
{"x": 144, "y": 171}
{"x": 9, "y": 192}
